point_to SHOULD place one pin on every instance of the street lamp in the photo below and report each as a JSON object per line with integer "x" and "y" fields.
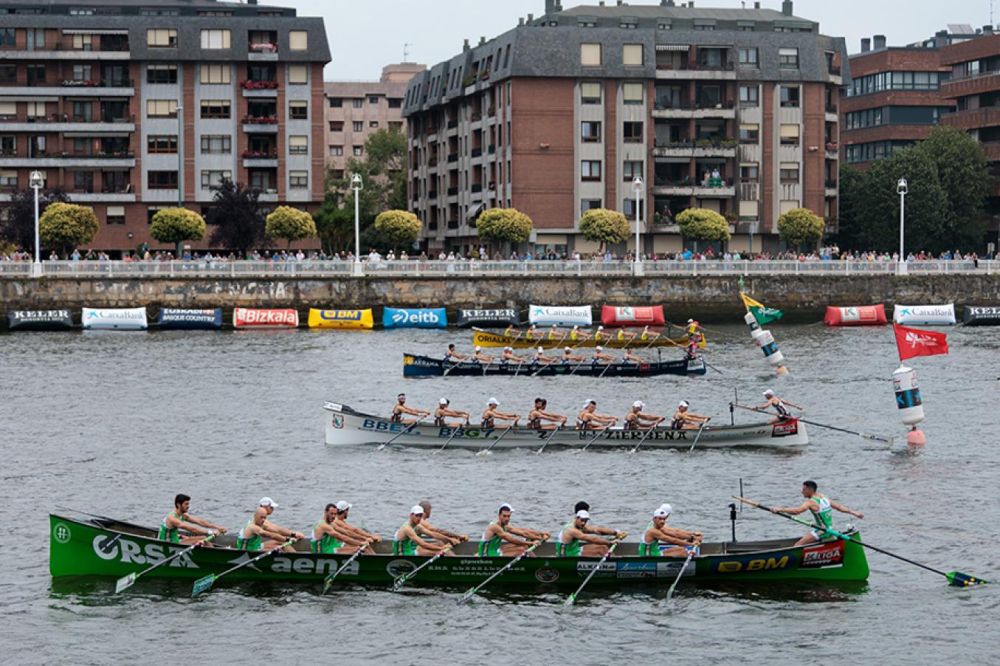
{"x": 35, "y": 181}
{"x": 637, "y": 186}
{"x": 901, "y": 189}
{"x": 180, "y": 157}
{"x": 357, "y": 184}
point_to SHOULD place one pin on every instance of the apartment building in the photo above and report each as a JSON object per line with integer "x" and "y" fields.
{"x": 729, "y": 109}
{"x": 133, "y": 107}
{"x": 356, "y": 109}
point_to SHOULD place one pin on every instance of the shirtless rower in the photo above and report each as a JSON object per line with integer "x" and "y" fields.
{"x": 539, "y": 358}
{"x": 631, "y": 357}
{"x": 491, "y": 415}
{"x": 408, "y": 542}
{"x": 330, "y": 539}
{"x": 780, "y": 406}
{"x": 444, "y": 411}
{"x": 480, "y": 357}
{"x": 686, "y": 420}
{"x": 539, "y": 419}
{"x": 569, "y": 357}
{"x": 501, "y": 539}
{"x": 179, "y": 519}
{"x": 343, "y": 508}
{"x": 636, "y": 419}
{"x": 660, "y": 540}
{"x": 589, "y": 419}
{"x": 452, "y": 356}
{"x": 437, "y": 532}
{"x": 509, "y": 356}
{"x": 576, "y": 541}
{"x": 400, "y": 408}
{"x": 600, "y": 358}
{"x": 820, "y": 506}
{"x": 258, "y": 528}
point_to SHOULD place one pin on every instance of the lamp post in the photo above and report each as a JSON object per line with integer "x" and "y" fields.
{"x": 180, "y": 157}
{"x": 35, "y": 181}
{"x": 357, "y": 184}
{"x": 901, "y": 189}
{"x": 637, "y": 186}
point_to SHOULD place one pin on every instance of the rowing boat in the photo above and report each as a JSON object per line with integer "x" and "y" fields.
{"x": 345, "y": 426}
{"x": 483, "y": 338}
{"x": 105, "y": 547}
{"x": 415, "y": 365}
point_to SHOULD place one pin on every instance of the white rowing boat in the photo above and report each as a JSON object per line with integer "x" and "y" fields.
{"x": 345, "y": 426}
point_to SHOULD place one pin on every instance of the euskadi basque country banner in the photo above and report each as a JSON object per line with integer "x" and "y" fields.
{"x": 265, "y": 318}
{"x": 414, "y": 318}
{"x": 114, "y": 319}
{"x": 356, "y": 319}
{"x": 488, "y": 318}
{"x": 187, "y": 319}
{"x": 560, "y": 315}
{"x": 612, "y": 315}
{"x": 39, "y": 320}
{"x": 926, "y": 315}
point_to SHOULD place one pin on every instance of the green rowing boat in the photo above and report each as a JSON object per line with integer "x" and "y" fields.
{"x": 111, "y": 548}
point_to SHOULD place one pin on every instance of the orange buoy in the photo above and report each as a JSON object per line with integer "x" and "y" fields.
{"x": 916, "y": 437}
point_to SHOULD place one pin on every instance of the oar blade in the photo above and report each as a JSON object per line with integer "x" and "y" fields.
{"x": 959, "y": 579}
{"x": 203, "y": 585}
{"x": 124, "y": 583}
{"x": 570, "y": 600}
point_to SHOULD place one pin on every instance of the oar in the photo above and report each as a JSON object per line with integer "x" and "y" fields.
{"x": 518, "y": 368}
{"x": 472, "y": 591}
{"x": 592, "y": 440}
{"x": 128, "y": 581}
{"x": 670, "y": 592}
{"x": 205, "y": 584}
{"x": 572, "y": 598}
{"x": 863, "y": 435}
{"x": 399, "y": 582}
{"x": 608, "y": 367}
{"x": 955, "y": 578}
{"x": 546, "y": 442}
{"x": 541, "y": 366}
{"x": 454, "y": 365}
{"x": 698, "y": 436}
{"x": 400, "y": 433}
{"x": 328, "y": 581}
{"x": 454, "y": 432}
{"x": 495, "y": 441}
{"x": 709, "y": 365}
{"x": 648, "y": 430}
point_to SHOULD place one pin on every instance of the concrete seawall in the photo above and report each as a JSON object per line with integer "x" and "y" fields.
{"x": 711, "y": 298}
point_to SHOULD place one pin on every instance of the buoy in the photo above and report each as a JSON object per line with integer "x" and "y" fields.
{"x": 781, "y": 370}
{"x": 751, "y": 322}
{"x": 766, "y": 342}
{"x": 911, "y": 408}
{"x": 916, "y": 437}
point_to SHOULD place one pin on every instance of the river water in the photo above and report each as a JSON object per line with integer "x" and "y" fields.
{"x": 117, "y": 423}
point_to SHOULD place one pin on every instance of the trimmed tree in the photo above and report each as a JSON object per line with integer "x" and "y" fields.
{"x": 290, "y": 224}
{"x": 600, "y": 225}
{"x": 503, "y": 225}
{"x": 702, "y": 224}
{"x": 800, "y": 226}
{"x": 66, "y": 226}
{"x": 176, "y": 225}
{"x": 397, "y": 228}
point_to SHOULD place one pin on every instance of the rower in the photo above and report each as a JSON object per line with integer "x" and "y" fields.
{"x": 636, "y": 419}
{"x": 451, "y": 356}
{"x": 599, "y": 333}
{"x": 508, "y": 355}
{"x": 179, "y": 519}
{"x": 329, "y": 539}
{"x": 626, "y": 337}
{"x": 500, "y": 531}
{"x": 480, "y": 357}
{"x": 491, "y": 415}
{"x": 539, "y": 358}
{"x": 600, "y": 358}
{"x": 554, "y": 334}
{"x": 408, "y": 542}
{"x": 532, "y": 333}
{"x": 780, "y": 406}
{"x": 437, "y": 532}
{"x": 659, "y": 540}
{"x": 400, "y": 408}
{"x": 595, "y": 529}
{"x": 575, "y": 540}
{"x": 648, "y": 335}
{"x": 632, "y": 357}
{"x": 576, "y": 335}
{"x": 252, "y": 536}
{"x": 589, "y": 419}
{"x": 539, "y": 419}
{"x": 343, "y": 507}
{"x": 820, "y": 506}
{"x": 685, "y": 420}
{"x": 569, "y": 357}
{"x": 443, "y": 411}
{"x": 512, "y": 331}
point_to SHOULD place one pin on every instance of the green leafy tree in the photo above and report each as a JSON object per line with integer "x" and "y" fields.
{"x": 176, "y": 225}
{"x": 607, "y": 227}
{"x": 801, "y": 226}
{"x": 236, "y": 218}
{"x": 17, "y": 223}
{"x": 702, "y": 224}
{"x": 397, "y": 228}
{"x": 503, "y": 225}
{"x": 290, "y": 224}
{"x": 851, "y": 230}
{"x": 65, "y": 226}
{"x": 334, "y": 225}
{"x": 383, "y": 170}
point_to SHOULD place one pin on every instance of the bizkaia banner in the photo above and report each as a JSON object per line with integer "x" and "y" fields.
{"x": 265, "y": 318}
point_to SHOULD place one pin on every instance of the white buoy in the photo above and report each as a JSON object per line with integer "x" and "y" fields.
{"x": 766, "y": 342}
{"x": 751, "y": 322}
{"x": 911, "y": 408}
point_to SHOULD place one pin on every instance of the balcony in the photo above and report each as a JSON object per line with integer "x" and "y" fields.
{"x": 453, "y": 157}
{"x": 830, "y": 185}
{"x": 992, "y": 150}
{"x": 67, "y": 160}
{"x": 68, "y": 124}
{"x": 697, "y": 110}
{"x": 725, "y": 72}
{"x": 46, "y": 90}
{"x": 985, "y": 82}
{"x": 259, "y": 88}
{"x": 477, "y": 152}
{"x": 832, "y": 151}
{"x": 262, "y": 51}
{"x": 260, "y": 125}
{"x": 260, "y": 158}
{"x": 720, "y": 189}
{"x": 102, "y": 197}
{"x": 694, "y": 149}
{"x": 476, "y": 188}
{"x": 452, "y": 191}
{"x": 63, "y": 52}
{"x": 268, "y": 195}
{"x": 973, "y": 118}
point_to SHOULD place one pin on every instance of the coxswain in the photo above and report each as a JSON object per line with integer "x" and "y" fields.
{"x": 539, "y": 419}
{"x": 329, "y": 539}
{"x": 539, "y": 358}
{"x": 501, "y": 539}
{"x": 400, "y": 409}
{"x": 480, "y": 357}
{"x": 589, "y": 419}
{"x": 179, "y": 519}
{"x": 685, "y": 420}
{"x": 575, "y": 540}
{"x": 569, "y": 357}
{"x": 508, "y": 355}
{"x": 820, "y": 506}
{"x": 659, "y": 540}
{"x": 438, "y": 533}
{"x": 576, "y": 335}
{"x": 452, "y": 356}
{"x": 444, "y": 411}
{"x": 780, "y": 406}
{"x": 631, "y": 357}
{"x": 600, "y": 358}
{"x": 343, "y": 509}
{"x": 259, "y": 528}
{"x": 408, "y": 541}
{"x": 491, "y": 415}
{"x": 694, "y": 329}
{"x": 636, "y": 419}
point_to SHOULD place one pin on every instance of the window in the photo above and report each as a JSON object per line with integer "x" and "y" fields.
{"x": 211, "y": 180}
{"x": 789, "y": 135}
{"x": 336, "y": 102}
{"x": 632, "y": 93}
{"x": 589, "y": 204}
{"x": 632, "y": 132}
{"x": 336, "y": 151}
{"x": 298, "y": 74}
{"x": 872, "y": 83}
{"x": 83, "y": 42}
{"x": 357, "y": 103}
{"x": 115, "y": 215}
{"x": 373, "y": 124}
{"x": 8, "y": 109}
{"x": 215, "y": 39}
{"x": 8, "y": 73}
{"x": 590, "y": 170}
{"x": 632, "y": 55}
{"x": 216, "y": 144}
{"x": 336, "y": 125}
{"x": 787, "y": 205}
{"x": 36, "y": 75}
{"x": 161, "y": 180}
{"x": 215, "y": 108}
{"x": 8, "y": 178}
{"x": 395, "y": 103}
{"x": 161, "y": 73}
{"x": 161, "y": 108}
{"x": 630, "y": 170}
{"x": 298, "y": 145}
{"x": 789, "y": 172}
{"x": 7, "y": 37}
{"x": 161, "y": 143}
{"x": 790, "y": 96}
{"x": 358, "y": 151}
{"x": 749, "y": 133}
{"x": 214, "y": 74}
{"x": 8, "y": 145}
{"x": 161, "y": 38}
{"x": 357, "y": 126}
{"x": 748, "y": 57}
{"x": 82, "y": 73}
{"x": 628, "y": 208}
{"x": 298, "y": 40}
{"x": 590, "y": 131}
{"x": 590, "y": 92}
{"x": 590, "y": 55}
{"x": 298, "y": 110}
{"x": 749, "y": 96}
{"x": 298, "y": 180}
{"x": 373, "y": 99}
{"x": 83, "y": 181}
{"x": 749, "y": 173}
{"x": 788, "y": 58}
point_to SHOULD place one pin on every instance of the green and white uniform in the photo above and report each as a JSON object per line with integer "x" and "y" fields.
{"x": 326, "y": 545}
{"x": 490, "y": 547}
{"x": 651, "y": 549}
{"x": 171, "y": 534}
{"x": 403, "y": 546}
{"x": 572, "y": 549}
{"x": 823, "y": 518}
{"x": 249, "y": 543}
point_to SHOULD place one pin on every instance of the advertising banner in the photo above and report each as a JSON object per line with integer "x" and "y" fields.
{"x": 981, "y": 315}
{"x": 114, "y": 319}
{"x": 185, "y": 319}
{"x": 265, "y": 318}
{"x": 414, "y": 318}
{"x": 356, "y": 319}
{"x": 39, "y": 320}
{"x": 614, "y": 316}
{"x": 861, "y": 315}
{"x": 560, "y": 315}
{"x": 927, "y": 315}
{"x": 491, "y": 318}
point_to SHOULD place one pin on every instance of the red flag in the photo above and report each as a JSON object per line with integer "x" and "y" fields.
{"x": 914, "y": 342}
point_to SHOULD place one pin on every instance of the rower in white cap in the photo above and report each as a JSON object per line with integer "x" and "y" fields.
{"x": 636, "y": 419}
{"x": 660, "y": 540}
{"x": 501, "y": 539}
{"x": 259, "y": 528}
{"x": 599, "y": 334}
{"x": 686, "y": 420}
{"x": 491, "y": 414}
{"x": 780, "y": 406}
{"x": 569, "y": 357}
{"x": 481, "y": 357}
{"x": 343, "y": 508}
{"x": 589, "y": 419}
{"x": 508, "y": 356}
{"x": 539, "y": 358}
{"x": 576, "y": 335}
{"x": 575, "y": 540}
{"x": 600, "y": 358}
{"x": 408, "y": 542}
{"x": 444, "y": 410}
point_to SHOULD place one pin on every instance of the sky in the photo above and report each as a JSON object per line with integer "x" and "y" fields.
{"x": 365, "y": 35}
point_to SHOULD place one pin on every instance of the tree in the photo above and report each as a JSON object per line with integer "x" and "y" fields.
{"x": 703, "y": 224}
{"x": 17, "y": 225}
{"x": 237, "y": 218}
{"x": 800, "y": 226}
{"x": 290, "y": 224}
{"x": 607, "y": 227}
{"x": 397, "y": 228}
{"x": 65, "y": 226}
{"x": 851, "y": 231}
{"x": 383, "y": 170}
{"x": 503, "y": 225}
{"x": 334, "y": 225}
{"x": 176, "y": 225}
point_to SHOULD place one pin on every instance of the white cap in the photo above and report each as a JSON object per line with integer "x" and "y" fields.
{"x": 478, "y": 348}
{"x": 508, "y": 348}
{"x": 443, "y": 401}
{"x": 417, "y": 509}
{"x": 599, "y": 348}
{"x": 576, "y": 326}
{"x": 639, "y": 403}
{"x": 589, "y": 403}
{"x": 661, "y": 513}
{"x": 690, "y": 321}
{"x": 569, "y": 349}
{"x": 768, "y": 393}
{"x": 343, "y": 506}
{"x": 493, "y": 401}
{"x": 582, "y": 513}
{"x": 267, "y": 501}
{"x": 600, "y": 328}
{"x": 505, "y": 507}
{"x": 666, "y": 509}
{"x": 683, "y": 403}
